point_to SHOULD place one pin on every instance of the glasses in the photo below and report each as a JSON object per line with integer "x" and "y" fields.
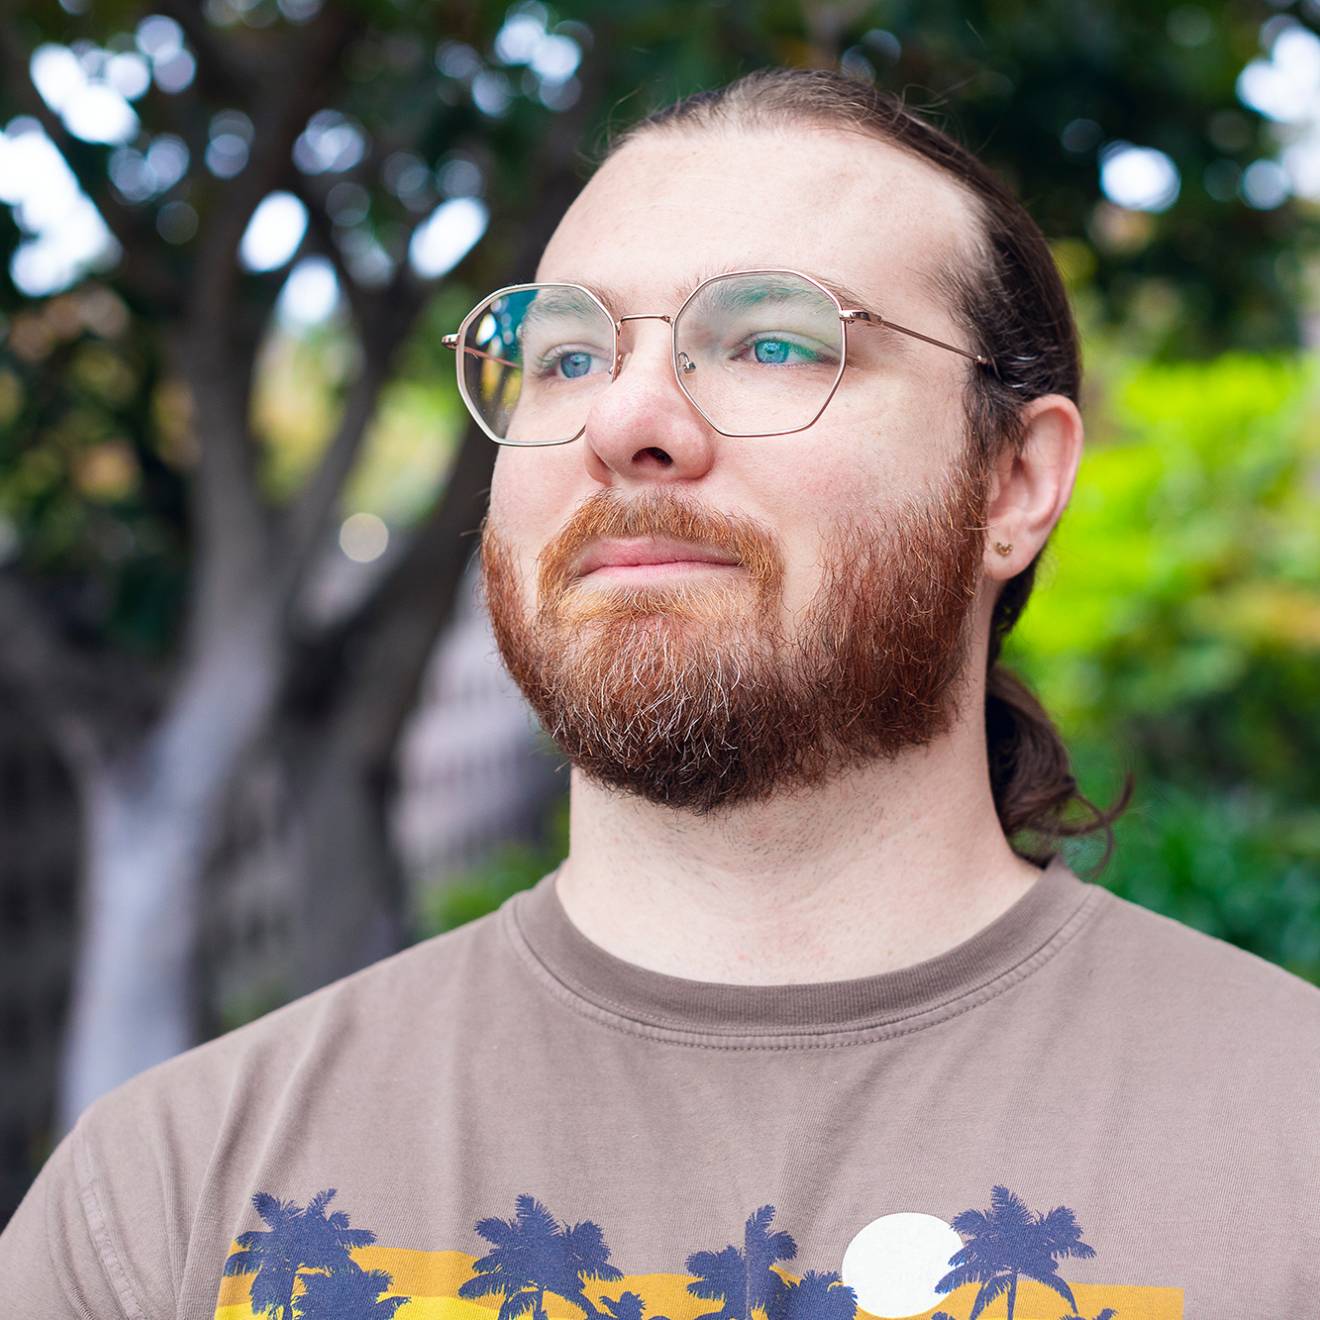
{"x": 756, "y": 353}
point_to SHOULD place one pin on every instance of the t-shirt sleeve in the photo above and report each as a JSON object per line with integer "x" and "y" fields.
{"x": 58, "y": 1256}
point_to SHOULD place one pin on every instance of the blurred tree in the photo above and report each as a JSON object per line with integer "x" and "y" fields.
{"x": 155, "y": 603}
{"x": 156, "y": 608}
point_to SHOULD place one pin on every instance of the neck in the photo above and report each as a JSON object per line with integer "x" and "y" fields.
{"x": 879, "y": 868}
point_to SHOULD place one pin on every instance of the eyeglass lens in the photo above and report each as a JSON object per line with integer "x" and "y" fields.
{"x": 756, "y": 353}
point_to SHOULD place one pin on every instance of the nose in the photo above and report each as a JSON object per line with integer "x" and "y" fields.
{"x": 642, "y": 430}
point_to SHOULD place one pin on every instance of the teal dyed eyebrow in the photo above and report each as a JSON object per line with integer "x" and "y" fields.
{"x": 848, "y": 297}
{"x": 558, "y": 302}
{"x": 733, "y": 297}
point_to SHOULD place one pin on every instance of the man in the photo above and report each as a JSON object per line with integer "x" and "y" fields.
{"x": 813, "y": 1021}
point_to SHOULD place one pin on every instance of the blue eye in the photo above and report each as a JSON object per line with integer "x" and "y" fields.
{"x": 777, "y": 352}
{"x": 574, "y": 365}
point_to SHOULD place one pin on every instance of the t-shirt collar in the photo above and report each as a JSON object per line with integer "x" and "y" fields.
{"x": 1022, "y": 936}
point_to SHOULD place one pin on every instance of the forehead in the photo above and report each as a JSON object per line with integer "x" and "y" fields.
{"x": 674, "y": 206}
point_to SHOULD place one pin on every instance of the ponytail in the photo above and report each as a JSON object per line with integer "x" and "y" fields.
{"x": 1031, "y": 778}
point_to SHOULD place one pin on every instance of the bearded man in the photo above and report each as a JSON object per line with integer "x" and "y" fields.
{"x": 814, "y": 1020}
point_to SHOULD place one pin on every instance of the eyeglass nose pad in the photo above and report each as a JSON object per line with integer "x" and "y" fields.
{"x": 686, "y": 363}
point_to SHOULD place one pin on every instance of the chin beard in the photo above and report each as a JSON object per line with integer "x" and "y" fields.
{"x": 691, "y": 696}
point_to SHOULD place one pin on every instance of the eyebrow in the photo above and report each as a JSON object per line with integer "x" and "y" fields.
{"x": 849, "y": 298}
{"x": 615, "y": 300}
{"x": 557, "y": 303}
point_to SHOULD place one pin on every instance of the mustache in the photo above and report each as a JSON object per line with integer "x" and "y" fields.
{"x": 657, "y": 512}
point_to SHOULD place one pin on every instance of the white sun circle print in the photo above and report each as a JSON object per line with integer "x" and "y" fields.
{"x": 894, "y": 1263}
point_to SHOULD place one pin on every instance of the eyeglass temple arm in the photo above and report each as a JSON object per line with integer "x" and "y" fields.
{"x": 874, "y": 319}
{"x": 451, "y": 341}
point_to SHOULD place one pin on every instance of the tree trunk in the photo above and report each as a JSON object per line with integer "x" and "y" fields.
{"x": 350, "y": 898}
{"x": 150, "y": 815}
{"x": 341, "y": 724}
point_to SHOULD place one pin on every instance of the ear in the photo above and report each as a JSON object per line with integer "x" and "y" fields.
{"x": 1030, "y": 488}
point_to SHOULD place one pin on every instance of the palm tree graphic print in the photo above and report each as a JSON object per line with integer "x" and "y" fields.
{"x": 303, "y": 1242}
{"x": 301, "y": 1266}
{"x": 533, "y": 1255}
{"x": 1007, "y": 1242}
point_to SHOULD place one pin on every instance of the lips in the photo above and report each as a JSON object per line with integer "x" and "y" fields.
{"x": 650, "y": 550}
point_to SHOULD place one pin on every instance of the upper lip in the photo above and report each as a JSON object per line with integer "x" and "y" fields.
{"x": 649, "y": 550}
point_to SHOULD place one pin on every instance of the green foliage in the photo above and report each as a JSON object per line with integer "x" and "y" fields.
{"x": 482, "y": 888}
{"x": 1233, "y": 863}
{"x": 1176, "y": 630}
{"x": 1187, "y": 572}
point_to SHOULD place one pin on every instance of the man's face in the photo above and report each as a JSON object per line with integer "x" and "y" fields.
{"x": 814, "y": 602}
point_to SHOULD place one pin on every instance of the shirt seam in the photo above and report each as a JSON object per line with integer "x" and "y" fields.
{"x": 98, "y": 1228}
{"x": 74, "y": 1303}
{"x": 609, "y": 1013}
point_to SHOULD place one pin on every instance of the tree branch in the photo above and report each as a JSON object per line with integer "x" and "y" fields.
{"x": 383, "y": 320}
{"x": 310, "y": 509}
{"x": 234, "y": 524}
{"x": 286, "y": 100}
{"x": 217, "y": 70}
{"x": 381, "y": 652}
{"x": 320, "y": 230}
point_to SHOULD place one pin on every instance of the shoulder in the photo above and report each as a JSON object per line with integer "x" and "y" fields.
{"x": 1171, "y": 950}
{"x": 1194, "y": 1047}
{"x": 1199, "y": 993}
{"x": 373, "y": 1002}
{"x": 106, "y": 1228}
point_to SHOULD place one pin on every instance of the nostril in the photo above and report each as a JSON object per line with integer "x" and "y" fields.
{"x": 655, "y": 452}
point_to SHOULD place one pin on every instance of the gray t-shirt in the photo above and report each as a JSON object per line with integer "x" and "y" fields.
{"x": 1085, "y": 1109}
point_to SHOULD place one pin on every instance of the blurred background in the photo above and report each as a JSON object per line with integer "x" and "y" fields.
{"x": 252, "y": 733}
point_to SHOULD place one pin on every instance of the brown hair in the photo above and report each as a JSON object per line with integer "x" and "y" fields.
{"x": 1012, "y": 303}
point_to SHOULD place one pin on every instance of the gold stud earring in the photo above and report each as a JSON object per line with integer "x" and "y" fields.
{"x": 1001, "y": 548}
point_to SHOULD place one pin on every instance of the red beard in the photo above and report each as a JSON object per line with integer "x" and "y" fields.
{"x": 691, "y": 697}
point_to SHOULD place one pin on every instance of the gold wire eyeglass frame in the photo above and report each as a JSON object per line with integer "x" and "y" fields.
{"x": 848, "y": 316}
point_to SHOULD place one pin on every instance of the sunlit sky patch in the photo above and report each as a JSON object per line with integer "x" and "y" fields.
{"x": 1138, "y": 178}
{"x": 66, "y": 234}
{"x": 274, "y": 232}
{"x": 447, "y": 236}
{"x": 311, "y": 293}
{"x": 91, "y": 108}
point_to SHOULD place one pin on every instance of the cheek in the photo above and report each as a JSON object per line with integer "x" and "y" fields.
{"x": 516, "y": 512}
{"x": 532, "y": 492}
{"x": 856, "y": 465}
{"x": 508, "y": 495}
{"x": 871, "y": 452}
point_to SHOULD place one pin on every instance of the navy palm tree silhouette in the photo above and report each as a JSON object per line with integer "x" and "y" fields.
{"x": 583, "y": 1255}
{"x": 1107, "y": 1314}
{"x": 743, "y": 1280}
{"x": 627, "y": 1306}
{"x": 533, "y": 1255}
{"x": 761, "y": 1249}
{"x": 297, "y": 1238}
{"x": 1009, "y": 1241}
{"x": 349, "y": 1293}
{"x": 816, "y": 1296}
{"x": 721, "y": 1277}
